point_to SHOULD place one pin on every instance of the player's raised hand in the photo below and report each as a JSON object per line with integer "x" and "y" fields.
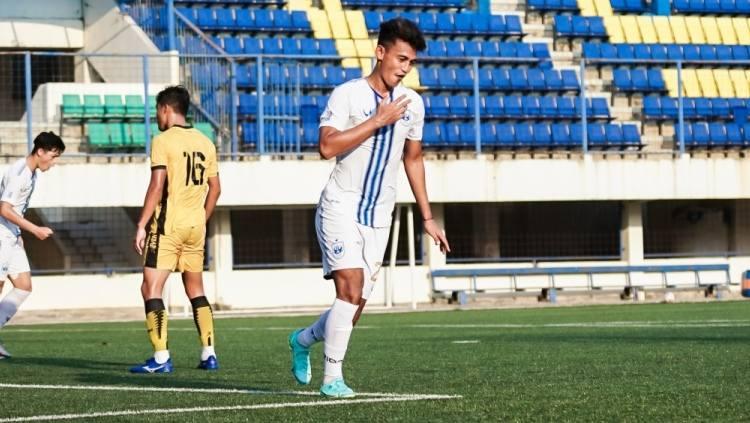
{"x": 437, "y": 235}
{"x": 42, "y": 232}
{"x": 140, "y": 241}
{"x": 389, "y": 112}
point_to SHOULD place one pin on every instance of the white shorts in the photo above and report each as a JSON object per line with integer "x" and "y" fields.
{"x": 348, "y": 245}
{"x": 13, "y": 260}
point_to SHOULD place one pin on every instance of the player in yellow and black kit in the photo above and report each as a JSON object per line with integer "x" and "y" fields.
{"x": 181, "y": 196}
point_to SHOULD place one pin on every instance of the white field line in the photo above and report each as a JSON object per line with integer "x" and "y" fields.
{"x": 194, "y": 390}
{"x": 467, "y": 341}
{"x": 713, "y": 323}
{"x": 319, "y": 403}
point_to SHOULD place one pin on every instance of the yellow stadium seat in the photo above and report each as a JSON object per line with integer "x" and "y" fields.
{"x": 663, "y": 30}
{"x": 670, "y": 81}
{"x": 339, "y": 28}
{"x": 319, "y": 23}
{"x": 690, "y": 83}
{"x": 612, "y": 23}
{"x": 367, "y": 65}
{"x": 711, "y": 30}
{"x": 411, "y": 80}
{"x": 726, "y": 29}
{"x": 647, "y": 29}
{"x": 695, "y": 30}
{"x": 739, "y": 82}
{"x": 707, "y": 83}
{"x": 332, "y": 5}
{"x": 364, "y": 48}
{"x": 356, "y": 21}
{"x": 587, "y": 7}
{"x": 351, "y": 62}
{"x": 741, "y": 30}
{"x": 630, "y": 28}
{"x": 679, "y": 30}
{"x": 603, "y": 7}
{"x": 723, "y": 83}
{"x": 299, "y": 5}
{"x": 346, "y": 48}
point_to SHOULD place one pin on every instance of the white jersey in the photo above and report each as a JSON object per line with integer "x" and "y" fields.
{"x": 363, "y": 182}
{"x": 16, "y": 188}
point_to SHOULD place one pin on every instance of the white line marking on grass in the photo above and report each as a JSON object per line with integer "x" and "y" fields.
{"x": 228, "y": 408}
{"x": 624, "y": 324}
{"x": 468, "y": 341}
{"x": 192, "y": 390}
{"x": 171, "y": 329}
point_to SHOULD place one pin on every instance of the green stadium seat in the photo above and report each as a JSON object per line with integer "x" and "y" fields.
{"x": 118, "y": 135}
{"x": 133, "y": 106}
{"x": 98, "y": 135}
{"x": 206, "y": 129}
{"x": 114, "y": 107}
{"x": 72, "y": 108}
{"x": 138, "y": 134}
{"x": 92, "y": 106}
{"x": 152, "y": 105}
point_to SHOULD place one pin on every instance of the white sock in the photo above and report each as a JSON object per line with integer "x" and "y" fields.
{"x": 207, "y": 352}
{"x": 315, "y": 332}
{"x": 338, "y": 329}
{"x": 162, "y": 356}
{"x": 9, "y": 305}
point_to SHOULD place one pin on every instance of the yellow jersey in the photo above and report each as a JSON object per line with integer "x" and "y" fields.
{"x": 189, "y": 158}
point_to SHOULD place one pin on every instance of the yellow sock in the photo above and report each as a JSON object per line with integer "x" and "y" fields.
{"x": 156, "y": 323}
{"x": 204, "y": 320}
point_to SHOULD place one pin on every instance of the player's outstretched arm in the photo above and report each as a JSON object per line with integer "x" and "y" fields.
{"x": 7, "y": 212}
{"x": 214, "y": 190}
{"x": 153, "y": 194}
{"x": 414, "y": 167}
{"x": 334, "y": 142}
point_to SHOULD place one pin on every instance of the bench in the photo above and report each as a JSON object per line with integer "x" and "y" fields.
{"x": 588, "y": 271}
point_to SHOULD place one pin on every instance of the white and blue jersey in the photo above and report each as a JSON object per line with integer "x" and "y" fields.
{"x": 16, "y": 188}
{"x": 363, "y": 181}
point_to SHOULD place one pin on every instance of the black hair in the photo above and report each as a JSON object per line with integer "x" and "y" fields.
{"x": 401, "y": 29}
{"x": 48, "y": 141}
{"x": 175, "y": 96}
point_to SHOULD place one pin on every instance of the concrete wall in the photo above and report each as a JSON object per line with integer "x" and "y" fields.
{"x": 47, "y": 24}
{"x": 299, "y": 182}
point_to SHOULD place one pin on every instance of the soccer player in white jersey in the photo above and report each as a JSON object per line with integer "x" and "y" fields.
{"x": 369, "y": 125}
{"x": 15, "y": 192}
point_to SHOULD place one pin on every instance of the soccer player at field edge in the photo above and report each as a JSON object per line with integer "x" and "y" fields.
{"x": 180, "y": 199}
{"x": 370, "y": 124}
{"x": 16, "y": 188}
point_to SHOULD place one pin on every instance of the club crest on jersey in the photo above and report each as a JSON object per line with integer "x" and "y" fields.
{"x": 338, "y": 249}
{"x": 326, "y": 116}
{"x": 407, "y": 116}
{"x": 368, "y": 113}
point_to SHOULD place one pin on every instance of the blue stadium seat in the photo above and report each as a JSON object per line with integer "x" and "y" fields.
{"x": 436, "y": 48}
{"x": 524, "y": 133}
{"x": 501, "y": 79}
{"x": 548, "y": 107}
{"x": 560, "y": 134}
{"x": 631, "y": 136}
{"x": 536, "y": 81}
{"x": 206, "y": 18}
{"x": 625, "y": 51}
{"x": 232, "y": 45}
{"x": 553, "y": 80}
{"x": 429, "y": 77}
{"x": 505, "y": 135}
{"x": 652, "y": 107}
{"x": 596, "y": 135}
{"x": 444, "y": 23}
{"x": 512, "y": 106}
{"x": 569, "y": 80}
{"x": 300, "y": 21}
{"x": 485, "y": 79}
{"x": 740, "y": 52}
{"x": 614, "y": 135}
{"x": 542, "y": 135}
{"x": 480, "y": 24}
{"x": 291, "y": 46}
{"x": 493, "y": 106}
{"x": 459, "y": 106}
{"x": 734, "y": 135}
{"x": 512, "y": 25}
{"x": 701, "y": 134}
{"x": 464, "y": 78}
{"x": 487, "y": 134}
{"x": 518, "y": 79}
{"x": 599, "y": 108}
{"x": 272, "y": 46}
{"x": 263, "y": 19}
{"x": 490, "y": 49}
{"x": 244, "y": 19}
{"x": 531, "y": 106}
{"x": 566, "y": 108}
{"x": 466, "y": 134}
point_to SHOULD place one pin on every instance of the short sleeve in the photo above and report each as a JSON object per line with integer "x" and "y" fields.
{"x": 158, "y": 153}
{"x": 213, "y": 166}
{"x": 417, "y": 119}
{"x": 13, "y": 189}
{"x": 336, "y": 113}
